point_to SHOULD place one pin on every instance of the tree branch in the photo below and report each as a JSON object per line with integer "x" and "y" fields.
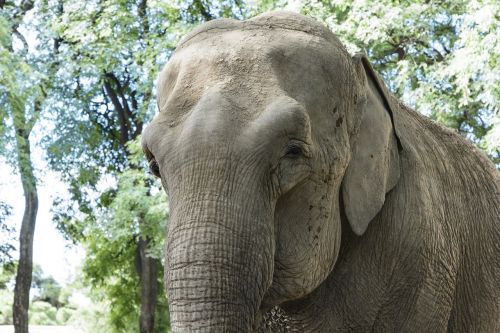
{"x": 128, "y": 114}
{"x": 438, "y": 57}
{"x": 107, "y": 113}
{"x": 118, "y": 108}
{"x": 37, "y": 109}
{"x": 23, "y": 8}
{"x": 203, "y": 11}
{"x": 141, "y": 10}
{"x": 23, "y": 40}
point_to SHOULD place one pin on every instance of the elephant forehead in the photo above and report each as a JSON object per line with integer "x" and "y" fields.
{"x": 251, "y": 67}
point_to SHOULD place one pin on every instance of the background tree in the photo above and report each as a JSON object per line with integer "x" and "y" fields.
{"x": 50, "y": 304}
{"x": 46, "y": 288}
{"x": 7, "y": 278}
{"x": 23, "y": 87}
{"x": 111, "y": 46}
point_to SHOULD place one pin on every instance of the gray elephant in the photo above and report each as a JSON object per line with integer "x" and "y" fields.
{"x": 305, "y": 198}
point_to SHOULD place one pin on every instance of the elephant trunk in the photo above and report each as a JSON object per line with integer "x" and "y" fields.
{"x": 219, "y": 260}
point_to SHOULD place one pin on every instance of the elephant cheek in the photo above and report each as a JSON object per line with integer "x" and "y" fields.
{"x": 308, "y": 241}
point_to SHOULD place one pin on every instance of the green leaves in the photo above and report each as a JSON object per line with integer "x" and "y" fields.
{"x": 22, "y": 88}
{"x": 132, "y": 208}
{"x": 50, "y": 303}
{"x": 7, "y": 236}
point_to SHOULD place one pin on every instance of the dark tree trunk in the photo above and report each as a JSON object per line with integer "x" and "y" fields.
{"x": 25, "y": 265}
{"x": 148, "y": 270}
{"x": 124, "y": 100}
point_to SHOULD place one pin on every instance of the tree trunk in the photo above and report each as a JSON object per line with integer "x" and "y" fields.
{"x": 25, "y": 265}
{"x": 147, "y": 270}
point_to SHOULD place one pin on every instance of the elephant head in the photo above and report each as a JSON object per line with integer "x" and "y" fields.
{"x": 268, "y": 135}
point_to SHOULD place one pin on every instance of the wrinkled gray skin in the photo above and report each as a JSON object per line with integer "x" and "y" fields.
{"x": 296, "y": 180}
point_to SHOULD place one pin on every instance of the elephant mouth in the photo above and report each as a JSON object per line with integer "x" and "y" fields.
{"x": 275, "y": 320}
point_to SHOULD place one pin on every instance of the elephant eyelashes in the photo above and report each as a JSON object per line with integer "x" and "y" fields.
{"x": 155, "y": 169}
{"x": 293, "y": 151}
{"x": 297, "y": 148}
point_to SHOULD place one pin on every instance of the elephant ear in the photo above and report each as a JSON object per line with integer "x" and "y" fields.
{"x": 374, "y": 167}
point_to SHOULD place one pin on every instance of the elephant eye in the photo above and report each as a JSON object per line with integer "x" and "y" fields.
{"x": 155, "y": 169}
{"x": 293, "y": 151}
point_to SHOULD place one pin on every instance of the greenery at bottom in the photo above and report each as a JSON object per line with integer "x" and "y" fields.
{"x": 86, "y": 308}
{"x": 50, "y": 302}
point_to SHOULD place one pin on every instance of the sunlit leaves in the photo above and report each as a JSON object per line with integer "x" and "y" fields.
{"x": 134, "y": 207}
{"x": 7, "y": 236}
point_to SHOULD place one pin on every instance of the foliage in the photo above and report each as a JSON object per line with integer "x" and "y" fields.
{"x": 43, "y": 310}
{"x": 110, "y": 263}
{"x": 7, "y": 273}
{"x": 93, "y": 318}
{"x": 22, "y": 86}
{"x": 6, "y": 234}
{"x": 6, "y": 298}
{"x": 135, "y": 207}
{"x": 46, "y": 289}
{"x": 112, "y": 53}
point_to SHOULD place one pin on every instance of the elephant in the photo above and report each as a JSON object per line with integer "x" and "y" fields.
{"x": 304, "y": 197}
